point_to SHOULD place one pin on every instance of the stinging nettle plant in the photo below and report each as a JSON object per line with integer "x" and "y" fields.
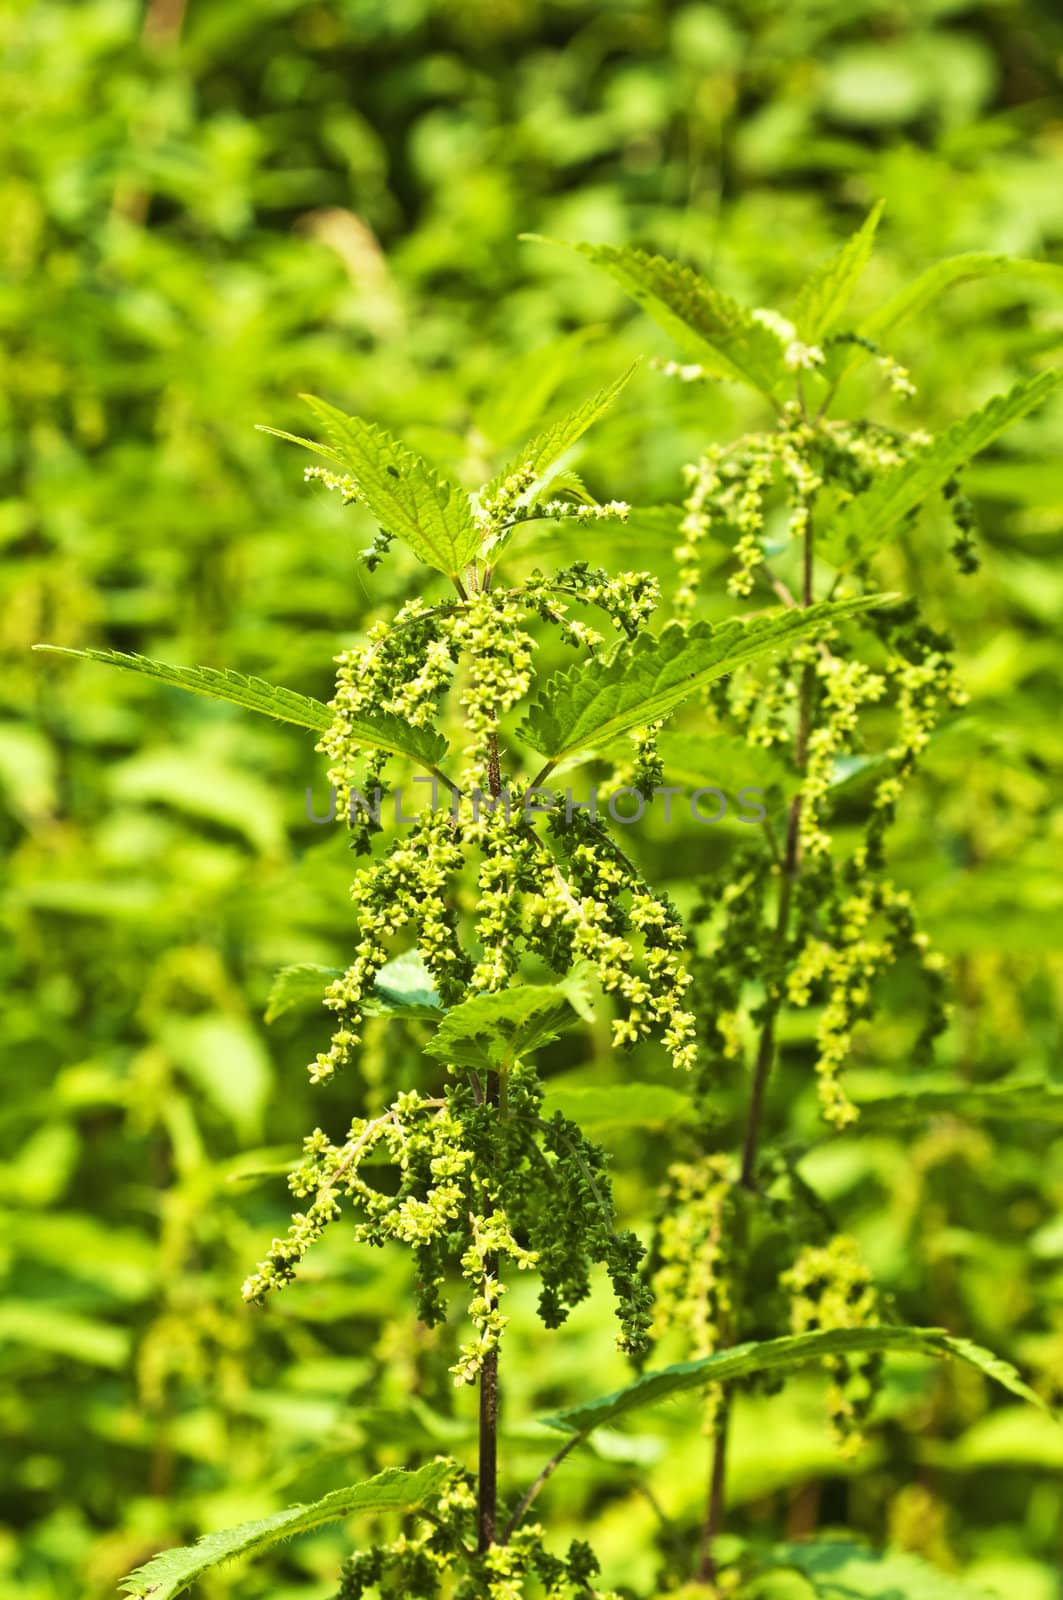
{"x": 502, "y": 915}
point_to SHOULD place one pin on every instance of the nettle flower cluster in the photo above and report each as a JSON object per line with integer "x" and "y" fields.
{"x": 484, "y": 886}
{"x": 440, "y": 1557}
{"x": 731, "y": 1265}
{"x": 832, "y": 715}
{"x": 808, "y": 916}
{"x": 831, "y": 1287}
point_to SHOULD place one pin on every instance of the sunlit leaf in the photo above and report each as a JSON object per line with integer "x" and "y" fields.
{"x": 174, "y": 1571}
{"x": 1005, "y": 1102}
{"x": 925, "y": 289}
{"x": 403, "y": 988}
{"x": 843, "y": 1571}
{"x": 644, "y": 681}
{"x": 540, "y": 453}
{"x": 618, "y": 1105}
{"x": 868, "y": 519}
{"x": 379, "y": 732}
{"x": 780, "y": 1355}
{"x": 825, "y": 295}
{"x": 407, "y": 497}
{"x": 722, "y": 335}
{"x": 493, "y": 1030}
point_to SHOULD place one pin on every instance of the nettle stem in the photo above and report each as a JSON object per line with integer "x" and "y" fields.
{"x": 765, "y": 1060}
{"x": 488, "y": 1467}
{"x": 487, "y": 1489}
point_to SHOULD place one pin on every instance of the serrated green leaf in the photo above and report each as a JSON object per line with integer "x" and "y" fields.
{"x": 1016, "y": 1102}
{"x": 824, "y": 296}
{"x": 618, "y": 1105}
{"x": 923, "y": 290}
{"x": 645, "y": 680}
{"x": 407, "y": 497}
{"x": 779, "y": 1355}
{"x": 174, "y": 1571}
{"x": 307, "y": 444}
{"x": 867, "y": 520}
{"x": 492, "y": 1030}
{"x": 842, "y": 1571}
{"x": 217, "y": 683}
{"x": 381, "y": 732}
{"x": 550, "y": 445}
{"x": 403, "y": 988}
{"x": 724, "y": 337}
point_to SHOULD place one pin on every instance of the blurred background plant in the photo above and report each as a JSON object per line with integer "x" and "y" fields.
{"x": 208, "y": 210}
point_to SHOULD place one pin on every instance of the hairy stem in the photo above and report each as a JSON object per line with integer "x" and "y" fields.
{"x": 765, "y": 1060}
{"x": 487, "y": 1519}
{"x": 488, "y": 1475}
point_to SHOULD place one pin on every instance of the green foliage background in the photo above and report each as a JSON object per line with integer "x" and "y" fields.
{"x": 206, "y": 213}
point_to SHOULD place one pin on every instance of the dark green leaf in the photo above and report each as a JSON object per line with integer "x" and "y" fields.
{"x": 641, "y": 682}
{"x": 492, "y": 1030}
{"x": 723, "y": 336}
{"x": 780, "y": 1355}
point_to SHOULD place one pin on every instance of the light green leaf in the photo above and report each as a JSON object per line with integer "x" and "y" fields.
{"x": 27, "y": 770}
{"x": 407, "y": 497}
{"x": 923, "y": 290}
{"x": 307, "y": 444}
{"x": 39, "y": 1173}
{"x": 63, "y": 1333}
{"x": 866, "y": 521}
{"x": 524, "y": 385}
{"x": 171, "y": 1573}
{"x": 724, "y": 337}
{"x": 303, "y": 984}
{"x": 403, "y": 988}
{"x": 726, "y": 761}
{"x": 381, "y": 732}
{"x": 119, "y": 1261}
{"x": 1006, "y": 1102}
{"x": 824, "y": 296}
{"x": 550, "y": 445}
{"x": 643, "y": 681}
{"x": 618, "y": 1105}
{"x": 780, "y": 1355}
{"x": 844, "y": 1571}
{"x": 204, "y": 787}
{"x": 1010, "y": 1436}
{"x": 225, "y": 1058}
{"x": 492, "y": 1030}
